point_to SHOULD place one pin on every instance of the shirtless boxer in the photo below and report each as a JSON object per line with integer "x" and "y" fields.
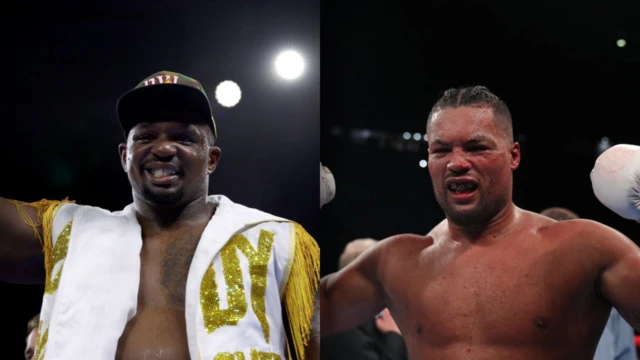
{"x": 491, "y": 281}
{"x": 178, "y": 274}
{"x": 616, "y": 342}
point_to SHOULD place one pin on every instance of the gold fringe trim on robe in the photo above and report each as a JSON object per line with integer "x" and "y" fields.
{"x": 301, "y": 289}
{"x": 47, "y": 210}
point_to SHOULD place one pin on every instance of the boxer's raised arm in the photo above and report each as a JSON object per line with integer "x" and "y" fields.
{"x": 26, "y": 231}
{"x": 353, "y": 295}
{"x": 620, "y": 279}
{"x": 615, "y": 179}
{"x": 21, "y": 255}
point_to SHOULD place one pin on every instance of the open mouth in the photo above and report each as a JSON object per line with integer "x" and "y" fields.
{"x": 162, "y": 174}
{"x": 462, "y": 187}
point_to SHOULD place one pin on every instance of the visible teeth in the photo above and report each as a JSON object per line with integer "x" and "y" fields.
{"x": 162, "y": 173}
{"x": 461, "y": 186}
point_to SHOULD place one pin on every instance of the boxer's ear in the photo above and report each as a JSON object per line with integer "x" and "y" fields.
{"x": 214, "y": 158}
{"x": 515, "y": 156}
{"x": 122, "y": 149}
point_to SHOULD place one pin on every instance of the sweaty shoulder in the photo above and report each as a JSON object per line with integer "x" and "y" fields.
{"x": 397, "y": 247}
{"x": 402, "y": 241}
{"x": 552, "y": 229}
{"x": 578, "y": 229}
{"x": 588, "y": 235}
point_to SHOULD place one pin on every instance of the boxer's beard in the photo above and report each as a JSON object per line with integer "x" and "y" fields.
{"x": 480, "y": 213}
{"x": 171, "y": 198}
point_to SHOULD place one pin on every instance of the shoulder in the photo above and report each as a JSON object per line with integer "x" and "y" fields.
{"x": 407, "y": 240}
{"x": 68, "y": 210}
{"x": 63, "y": 217}
{"x": 586, "y": 234}
{"x": 292, "y": 228}
{"x": 250, "y": 216}
{"x": 399, "y": 246}
{"x": 582, "y": 229}
{"x": 255, "y": 219}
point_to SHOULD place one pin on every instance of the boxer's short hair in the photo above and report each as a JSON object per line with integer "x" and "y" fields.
{"x": 475, "y": 96}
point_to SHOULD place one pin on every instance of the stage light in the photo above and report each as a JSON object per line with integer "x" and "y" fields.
{"x": 289, "y": 65}
{"x": 228, "y": 93}
{"x": 423, "y": 163}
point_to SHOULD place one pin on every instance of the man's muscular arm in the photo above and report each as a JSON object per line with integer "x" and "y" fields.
{"x": 620, "y": 279}
{"x": 21, "y": 255}
{"x": 353, "y": 295}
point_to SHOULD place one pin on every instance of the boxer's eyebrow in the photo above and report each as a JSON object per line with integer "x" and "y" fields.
{"x": 438, "y": 142}
{"x": 480, "y": 139}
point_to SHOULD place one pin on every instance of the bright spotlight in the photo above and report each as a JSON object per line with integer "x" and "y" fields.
{"x": 417, "y": 136}
{"x": 423, "y": 163}
{"x": 621, "y": 43}
{"x": 426, "y": 138}
{"x": 406, "y": 136}
{"x": 228, "y": 93}
{"x": 289, "y": 65}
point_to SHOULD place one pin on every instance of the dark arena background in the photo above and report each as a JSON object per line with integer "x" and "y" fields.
{"x": 69, "y": 62}
{"x": 569, "y": 72}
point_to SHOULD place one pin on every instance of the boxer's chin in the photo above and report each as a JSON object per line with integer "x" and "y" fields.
{"x": 466, "y": 214}
{"x": 471, "y": 213}
{"x": 160, "y": 196}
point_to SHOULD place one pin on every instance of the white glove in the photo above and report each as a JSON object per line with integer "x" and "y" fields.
{"x": 616, "y": 180}
{"x": 327, "y": 185}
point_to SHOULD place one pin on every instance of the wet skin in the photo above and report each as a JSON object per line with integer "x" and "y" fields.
{"x": 491, "y": 281}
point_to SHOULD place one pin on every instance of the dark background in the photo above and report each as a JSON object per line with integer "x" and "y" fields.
{"x": 66, "y": 64}
{"x": 556, "y": 64}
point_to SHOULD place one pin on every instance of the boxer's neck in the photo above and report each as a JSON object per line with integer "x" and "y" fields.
{"x": 496, "y": 226}
{"x": 153, "y": 218}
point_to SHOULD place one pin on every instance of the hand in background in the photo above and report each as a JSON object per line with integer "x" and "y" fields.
{"x": 385, "y": 322}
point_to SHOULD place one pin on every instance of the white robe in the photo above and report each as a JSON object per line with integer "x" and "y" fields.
{"x": 234, "y": 291}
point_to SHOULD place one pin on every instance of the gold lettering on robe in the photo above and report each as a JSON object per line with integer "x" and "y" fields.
{"x": 262, "y": 355}
{"x": 214, "y": 317}
{"x": 229, "y": 356}
{"x": 255, "y": 355}
{"x": 58, "y": 254}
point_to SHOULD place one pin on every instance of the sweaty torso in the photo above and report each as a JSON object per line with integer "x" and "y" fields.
{"x": 526, "y": 295}
{"x": 158, "y": 330}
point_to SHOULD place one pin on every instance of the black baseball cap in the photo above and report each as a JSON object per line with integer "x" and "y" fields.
{"x": 161, "y": 91}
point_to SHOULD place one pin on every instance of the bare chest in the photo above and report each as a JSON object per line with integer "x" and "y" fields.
{"x": 159, "y": 328}
{"x": 516, "y": 295}
{"x": 164, "y": 265}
